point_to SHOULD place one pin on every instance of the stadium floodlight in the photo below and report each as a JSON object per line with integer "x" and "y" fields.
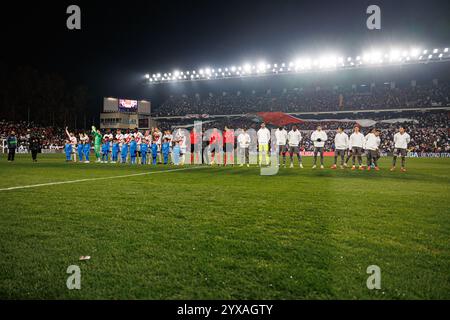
{"x": 440, "y": 55}
{"x": 358, "y": 58}
{"x": 261, "y": 66}
{"x": 435, "y": 50}
{"x": 430, "y": 56}
{"x": 176, "y": 73}
{"x": 233, "y": 69}
{"x": 415, "y": 53}
{"x": 151, "y": 80}
{"x": 425, "y": 51}
{"x": 247, "y": 67}
{"x": 147, "y": 76}
{"x": 165, "y": 75}
{"x": 226, "y": 69}
{"x": 420, "y": 58}
{"x": 200, "y": 71}
{"x": 394, "y": 55}
{"x": 220, "y": 70}
{"x": 208, "y": 71}
{"x": 446, "y": 50}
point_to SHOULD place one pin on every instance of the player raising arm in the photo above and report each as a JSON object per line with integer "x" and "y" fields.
{"x": 73, "y": 141}
{"x": 401, "y": 140}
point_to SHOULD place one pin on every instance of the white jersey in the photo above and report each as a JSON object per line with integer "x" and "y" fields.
{"x": 169, "y": 137}
{"x": 316, "y": 135}
{"x": 372, "y": 142}
{"x": 294, "y": 137}
{"x": 401, "y": 140}
{"x": 108, "y": 136}
{"x": 281, "y": 137}
{"x": 263, "y": 136}
{"x": 356, "y": 140}
{"x": 73, "y": 141}
{"x": 157, "y": 137}
{"x": 138, "y": 137}
{"x": 148, "y": 139}
{"x": 341, "y": 141}
{"x": 243, "y": 140}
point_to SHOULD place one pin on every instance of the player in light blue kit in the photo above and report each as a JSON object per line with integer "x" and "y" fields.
{"x": 165, "y": 150}
{"x": 105, "y": 150}
{"x": 115, "y": 151}
{"x": 176, "y": 151}
{"x": 133, "y": 150}
{"x": 154, "y": 153}
{"x": 144, "y": 150}
{"x": 124, "y": 152}
{"x": 68, "y": 151}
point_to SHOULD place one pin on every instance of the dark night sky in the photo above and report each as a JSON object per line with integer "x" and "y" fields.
{"x": 121, "y": 41}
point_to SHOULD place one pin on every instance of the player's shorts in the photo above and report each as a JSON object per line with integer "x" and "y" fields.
{"x": 339, "y": 152}
{"x": 357, "y": 151}
{"x": 294, "y": 150}
{"x": 74, "y": 149}
{"x": 318, "y": 150}
{"x": 229, "y": 147}
{"x": 283, "y": 148}
{"x": 400, "y": 152}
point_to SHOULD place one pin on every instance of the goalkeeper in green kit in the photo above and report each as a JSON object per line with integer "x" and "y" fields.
{"x": 97, "y": 143}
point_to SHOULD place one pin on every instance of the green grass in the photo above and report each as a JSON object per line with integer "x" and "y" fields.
{"x": 224, "y": 233}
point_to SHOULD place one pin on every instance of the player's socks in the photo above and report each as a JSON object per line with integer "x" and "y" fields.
{"x": 403, "y": 169}
{"x": 393, "y": 169}
{"x": 353, "y": 168}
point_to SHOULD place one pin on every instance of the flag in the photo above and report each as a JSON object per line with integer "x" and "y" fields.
{"x": 278, "y": 119}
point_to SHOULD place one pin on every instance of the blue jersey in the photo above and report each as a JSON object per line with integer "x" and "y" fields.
{"x": 165, "y": 149}
{"x": 115, "y": 148}
{"x": 124, "y": 149}
{"x": 68, "y": 148}
{"x": 133, "y": 147}
{"x": 105, "y": 147}
{"x": 154, "y": 149}
{"x": 144, "y": 147}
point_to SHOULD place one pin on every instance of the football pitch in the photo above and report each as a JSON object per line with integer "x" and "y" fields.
{"x": 223, "y": 233}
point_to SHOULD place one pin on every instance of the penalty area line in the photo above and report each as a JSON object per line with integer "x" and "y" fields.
{"x": 96, "y": 179}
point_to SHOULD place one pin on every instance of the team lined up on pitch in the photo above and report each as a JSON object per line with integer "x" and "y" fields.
{"x": 214, "y": 147}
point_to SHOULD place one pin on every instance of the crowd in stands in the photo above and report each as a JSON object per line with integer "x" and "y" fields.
{"x": 49, "y": 137}
{"x": 312, "y": 99}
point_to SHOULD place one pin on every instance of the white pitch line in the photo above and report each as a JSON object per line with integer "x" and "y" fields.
{"x": 95, "y": 179}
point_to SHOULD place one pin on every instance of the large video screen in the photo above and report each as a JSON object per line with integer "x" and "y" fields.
{"x": 128, "y": 105}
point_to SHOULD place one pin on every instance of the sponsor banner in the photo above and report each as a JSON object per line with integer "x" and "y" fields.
{"x": 428, "y": 155}
{"x": 311, "y": 154}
